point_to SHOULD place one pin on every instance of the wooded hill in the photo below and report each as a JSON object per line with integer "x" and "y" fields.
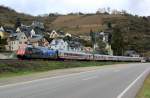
{"x": 134, "y": 29}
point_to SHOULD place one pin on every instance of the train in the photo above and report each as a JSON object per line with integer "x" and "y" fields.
{"x": 50, "y": 54}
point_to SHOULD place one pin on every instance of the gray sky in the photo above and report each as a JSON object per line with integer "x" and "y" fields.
{"x": 36, "y": 7}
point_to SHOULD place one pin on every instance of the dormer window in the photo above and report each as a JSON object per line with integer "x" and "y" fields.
{"x": 32, "y": 32}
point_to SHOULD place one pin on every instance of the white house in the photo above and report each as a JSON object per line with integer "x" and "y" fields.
{"x": 105, "y": 40}
{"x": 38, "y": 24}
{"x": 75, "y": 46}
{"x": 104, "y": 36}
{"x": 59, "y": 34}
{"x": 68, "y": 34}
{"x": 16, "y": 41}
{"x": 59, "y": 44}
{"x": 1, "y": 28}
{"x": 54, "y": 34}
{"x": 18, "y": 30}
{"x": 32, "y": 33}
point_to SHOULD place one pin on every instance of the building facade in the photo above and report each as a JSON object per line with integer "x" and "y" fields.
{"x": 59, "y": 44}
{"x": 16, "y": 41}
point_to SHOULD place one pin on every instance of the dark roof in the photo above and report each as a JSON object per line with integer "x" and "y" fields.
{"x": 9, "y": 30}
{"x": 29, "y": 29}
{"x": 27, "y": 33}
{"x": 15, "y": 36}
{"x": 61, "y": 33}
{"x": 36, "y": 38}
{"x": 25, "y": 29}
{"x": 39, "y": 31}
{"x": 12, "y": 38}
{"x": 74, "y": 44}
{"x": 130, "y": 53}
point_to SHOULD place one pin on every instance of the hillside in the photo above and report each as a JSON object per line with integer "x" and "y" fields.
{"x": 82, "y": 24}
{"x": 75, "y": 24}
{"x": 8, "y": 17}
{"x": 78, "y": 24}
{"x": 135, "y": 29}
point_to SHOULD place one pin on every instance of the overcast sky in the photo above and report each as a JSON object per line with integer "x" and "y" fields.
{"x": 36, "y": 7}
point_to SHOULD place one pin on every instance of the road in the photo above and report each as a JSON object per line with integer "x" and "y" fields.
{"x": 106, "y": 82}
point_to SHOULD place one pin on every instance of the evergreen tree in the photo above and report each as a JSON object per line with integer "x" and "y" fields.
{"x": 93, "y": 38}
{"x": 109, "y": 25}
{"x": 101, "y": 47}
{"x": 18, "y": 23}
{"x": 117, "y": 41}
{"x": 109, "y": 38}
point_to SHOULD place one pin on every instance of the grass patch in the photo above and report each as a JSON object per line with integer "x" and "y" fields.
{"x": 145, "y": 90}
{"x": 13, "y": 68}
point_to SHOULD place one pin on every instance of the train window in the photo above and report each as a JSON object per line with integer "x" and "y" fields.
{"x": 34, "y": 50}
{"x": 29, "y": 49}
{"x": 66, "y": 54}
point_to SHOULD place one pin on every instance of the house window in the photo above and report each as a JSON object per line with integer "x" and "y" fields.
{"x": 25, "y": 42}
{"x": 24, "y": 37}
{"x": 20, "y": 42}
{"x": 56, "y": 42}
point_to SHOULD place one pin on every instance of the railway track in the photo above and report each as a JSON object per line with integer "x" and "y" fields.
{"x": 17, "y": 60}
{"x": 8, "y": 60}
